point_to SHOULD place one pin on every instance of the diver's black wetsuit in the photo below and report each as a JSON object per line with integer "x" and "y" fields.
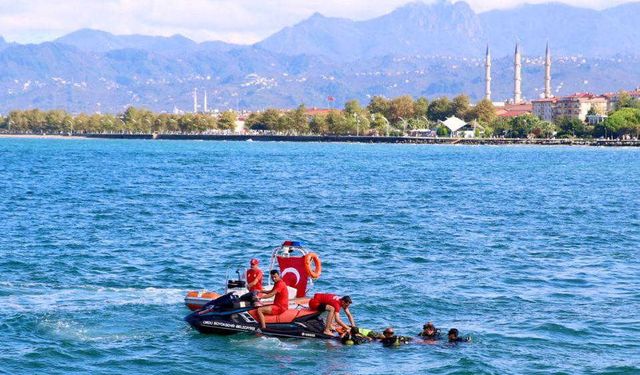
{"x": 356, "y": 339}
{"x": 460, "y": 339}
{"x": 395, "y": 340}
{"x": 434, "y": 336}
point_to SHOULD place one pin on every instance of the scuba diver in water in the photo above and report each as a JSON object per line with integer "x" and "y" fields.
{"x": 454, "y": 338}
{"x": 429, "y": 332}
{"x": 390, "y": 339}
{"x": 357, "y": 336}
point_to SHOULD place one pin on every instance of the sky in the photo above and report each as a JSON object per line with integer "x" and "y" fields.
{"x": 234, "y": 21}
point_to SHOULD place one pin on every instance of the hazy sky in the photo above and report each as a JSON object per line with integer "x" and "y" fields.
{"x": 237, "y": 21}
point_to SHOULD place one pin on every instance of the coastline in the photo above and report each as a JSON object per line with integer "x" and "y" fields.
{"x": 42, "y": 136}
{"x": 346, "y": 139}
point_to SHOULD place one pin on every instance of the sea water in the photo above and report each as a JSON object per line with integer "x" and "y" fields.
{"x": 532, "y": 251}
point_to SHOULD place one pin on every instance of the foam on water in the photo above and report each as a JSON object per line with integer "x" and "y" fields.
{"x": 36, "y": 297}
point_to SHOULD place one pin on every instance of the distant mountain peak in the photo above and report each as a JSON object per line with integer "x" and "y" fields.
{"x": 317, "y": 15}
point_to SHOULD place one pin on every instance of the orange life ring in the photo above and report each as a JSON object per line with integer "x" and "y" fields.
{"x": 315, "y": 259}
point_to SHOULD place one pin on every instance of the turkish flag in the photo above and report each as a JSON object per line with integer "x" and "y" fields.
{"x": 294, "y": 273}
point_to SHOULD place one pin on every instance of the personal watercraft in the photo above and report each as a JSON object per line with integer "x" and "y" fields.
{"x": 230, "y": 314}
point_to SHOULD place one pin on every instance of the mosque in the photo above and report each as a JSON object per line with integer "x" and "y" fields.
{"x": 517, "y": 78}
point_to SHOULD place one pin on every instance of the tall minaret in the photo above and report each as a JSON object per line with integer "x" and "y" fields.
{"x": 195, "y": 100}
{"x": 204, "y": 104}
{"x": 487, "y": 75}
{"x": 547, "y": 73}
{"x": 517, "y": 79}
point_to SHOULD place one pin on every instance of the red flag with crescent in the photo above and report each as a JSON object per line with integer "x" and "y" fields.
{"x": 294, "y": 273}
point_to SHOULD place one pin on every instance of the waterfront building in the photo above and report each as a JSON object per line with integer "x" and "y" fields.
{"x": 596, "y": 119}
{"x": 544, "y": 108}
{"x": 578, "y": 105}
{"x": 573, "y": 106}
{"x": 453, "y": 123}
{"x": 513, "y": 110}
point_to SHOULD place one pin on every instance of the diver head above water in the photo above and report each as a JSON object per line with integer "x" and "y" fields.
{"x": 429, "y": 331}
{"x": 453, "y": 336}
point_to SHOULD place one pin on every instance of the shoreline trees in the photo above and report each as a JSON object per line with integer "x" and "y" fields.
{"x": 381, "y": 116}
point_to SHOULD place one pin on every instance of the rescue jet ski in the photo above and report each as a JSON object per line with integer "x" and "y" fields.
{"x": 230, "y": 314}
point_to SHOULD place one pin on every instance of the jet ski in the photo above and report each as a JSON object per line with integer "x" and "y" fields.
{"x": 230, "y": 314}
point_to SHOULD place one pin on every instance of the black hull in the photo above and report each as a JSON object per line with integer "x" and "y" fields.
{"x": 228, "y": 324}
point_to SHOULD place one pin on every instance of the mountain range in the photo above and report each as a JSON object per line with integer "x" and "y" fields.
{"x": 418, "y": 49}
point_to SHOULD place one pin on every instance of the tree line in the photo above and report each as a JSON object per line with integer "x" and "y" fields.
{"x": 132, "y": 120}
{"x": 381, "y": 116}
{"x": 396, "y": 116}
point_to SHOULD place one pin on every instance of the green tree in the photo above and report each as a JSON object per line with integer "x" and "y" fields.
{"x": 440, "y": 109}
{"x": 380, "y": 125}
{"x": 484, "y": 112}
{"x": 379, "y": 104}
{"x": 227, "y": 120}
{"x": 80, "y": 124}
{"x": 108, "y": 123}
{"x": 544, "y": 129}
{"x": 401, "y": 109}
{"x": 501, "y": 127}
{"x": 625, "y": 100}
{"x": 56, "y": 120}
{"x": 419, "y": 123}
{"x": 285, "y": 124}
{"x": 443, "y": 131}
{"x": 625, "y": 121}
{"x": 572, "y": 127}
{"x": 522, "y": 126}
{"x": 357, "y": 116}
{"x": 17, "y": 122}
{"x": 420, "y": 107}
{"x": 460, "y": 106}
{"x": 299, "y": 121}
{"x": 338, "y": 124}
{"x": 267, "y": 120}
{"x": 318, "y": 125}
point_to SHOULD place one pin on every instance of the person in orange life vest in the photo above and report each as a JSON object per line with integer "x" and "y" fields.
{"x": 280, "y": 302}
{"x": 254, "y": 276}
{"x": 332, "y": 304}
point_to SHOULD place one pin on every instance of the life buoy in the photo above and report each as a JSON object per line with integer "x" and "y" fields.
{"x": 315, "y": 259}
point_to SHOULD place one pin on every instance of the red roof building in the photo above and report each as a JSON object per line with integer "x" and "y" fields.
{"x": 513, "y": 110}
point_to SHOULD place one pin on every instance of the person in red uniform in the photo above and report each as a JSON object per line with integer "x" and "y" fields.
{"x": 280, "y": 302}
{"x": 332, "y": 304}
{"x": 254, "y": 276}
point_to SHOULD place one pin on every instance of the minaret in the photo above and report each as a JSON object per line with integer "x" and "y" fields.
{"x": 204, "y": 104}
{"x": 487, "y": 75}
{"x": 547, "y": 73}
{"x": 517, "y": 79}
{"x": 195, "y": 100}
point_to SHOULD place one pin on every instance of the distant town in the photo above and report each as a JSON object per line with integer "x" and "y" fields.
{"x": 580, "y": 115}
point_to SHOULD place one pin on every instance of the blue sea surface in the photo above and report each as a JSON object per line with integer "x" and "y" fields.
{"x": 532, "y": 251}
